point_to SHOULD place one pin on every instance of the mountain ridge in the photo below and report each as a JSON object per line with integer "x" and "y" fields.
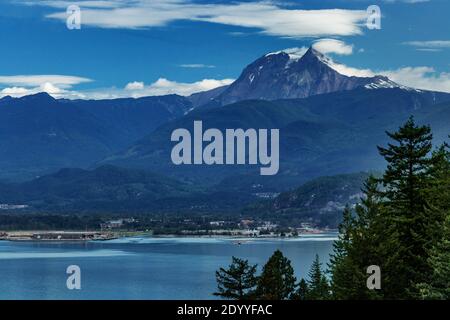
{"x": 40, "y": 134}
{"x": 320, "y": 135}
{"x": 281, "y": 75}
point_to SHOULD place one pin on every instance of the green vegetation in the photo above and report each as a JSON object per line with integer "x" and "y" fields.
{"x": 439, "y": 285}
{"x": 319, "y": 201}
{"x": 302, "y": 290}
{"x": 318, "y": 287}
{"x": 238, "y": 281}
{"x": 15, "y": 222}
{"x": 277, "y": 281}
{"x": 401, "y": 225}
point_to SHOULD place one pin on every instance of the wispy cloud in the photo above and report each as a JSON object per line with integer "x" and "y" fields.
{"x": 197, "y": 66}
{"x": 56, "y": 85}
{"x": 407, "y": 1}
{"x": 432, "y": 46}
{"x": 333, "y": 46}
{"x": 164, "y": 86}
{"x": 270, "y": 18}
{"x": 36, "y": 80}
{"x": 160, "y": 87}
{"x": 422, "y": 77}
{"x": 45, "y": 87}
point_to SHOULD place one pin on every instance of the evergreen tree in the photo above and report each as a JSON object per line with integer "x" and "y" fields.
{"x": 318, "y": 288}
{"x": 369, "y": 239}
{"x": 408, "y": 168}
{"x": 406, "y": 219}
{"x": 238, "y": 281}
{"x": 438, "y": 191}
{"x": 400, "y": 228}
{"x": 357, "y": 248}
{"x": 439, "y": 286}
{"x": 340, "y": 266}
{"x": 302, "y": 290}
{"x": 277, "y": 281}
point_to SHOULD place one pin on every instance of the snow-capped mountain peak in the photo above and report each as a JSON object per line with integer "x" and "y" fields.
{"x": 298, "y": 73}
{"x": 293, "y": 53}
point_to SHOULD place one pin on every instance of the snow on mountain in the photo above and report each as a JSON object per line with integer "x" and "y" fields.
{"x": 296, "y": 73}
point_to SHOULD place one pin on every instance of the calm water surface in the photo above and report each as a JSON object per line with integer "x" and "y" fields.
{"x": 140, "y": 268}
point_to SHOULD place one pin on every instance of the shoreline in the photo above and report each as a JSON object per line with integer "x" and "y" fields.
{"x": 30, "y": 236}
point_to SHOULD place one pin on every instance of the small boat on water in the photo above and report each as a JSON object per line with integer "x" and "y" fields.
{"x": 240, "y": 242}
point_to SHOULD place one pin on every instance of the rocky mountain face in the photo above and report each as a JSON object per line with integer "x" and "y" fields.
{"x": 281, "y": 75}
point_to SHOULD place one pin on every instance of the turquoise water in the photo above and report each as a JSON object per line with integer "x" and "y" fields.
{"x": 140, "y": 268}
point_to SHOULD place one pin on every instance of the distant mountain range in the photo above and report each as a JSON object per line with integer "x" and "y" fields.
{"x": 321, "y": 135}
{"x": 330, "y": 124}
{"x": 110, "y": 189}
{"x": 39, "y": 134}
{"x": 113, "y": 190}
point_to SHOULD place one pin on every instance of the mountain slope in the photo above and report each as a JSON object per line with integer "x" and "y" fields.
{"x": 319, "y": 201}
{"x": 109, "y": 189}
{"x": 134, "y": 118}
{"x": 282, "y": 75}
{"x": 321, "y": 135}
{"x": 103, "y": 189}
{"x": 40, "y": 134}
{"x": 202, "y": 98}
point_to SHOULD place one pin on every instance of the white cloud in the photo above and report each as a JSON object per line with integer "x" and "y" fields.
{"x": 333, "y": 46}
{"x": 55, "y": 85}
{"x": 135, "y": 85}
{"x": 269, "y": 17}
{"x": 428, "y": 50}
{"x": 294, "y": 53}
{"x": 407, "y": 1}
{"x": 50, "y": 88}
{"x": 133, "y": 89}
{"x": 431, "y": 46}
{"x": 350, "y": 71}
{"x": 163, "y": 86}
{"x": 15, "y": 92}
{"x": 63, "y": 4}
{"x": 324, "y": 46}
{"x": 160, "y": 87}
{"x": 197, "y": 66}
{"x": 37, "y": 80}
{"x": 421, "y": 77}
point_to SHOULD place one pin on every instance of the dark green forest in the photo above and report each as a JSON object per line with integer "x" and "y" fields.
{"x": 401, "y": 226}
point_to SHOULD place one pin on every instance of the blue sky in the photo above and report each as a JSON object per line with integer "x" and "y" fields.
{"x": 146, "y": 47}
